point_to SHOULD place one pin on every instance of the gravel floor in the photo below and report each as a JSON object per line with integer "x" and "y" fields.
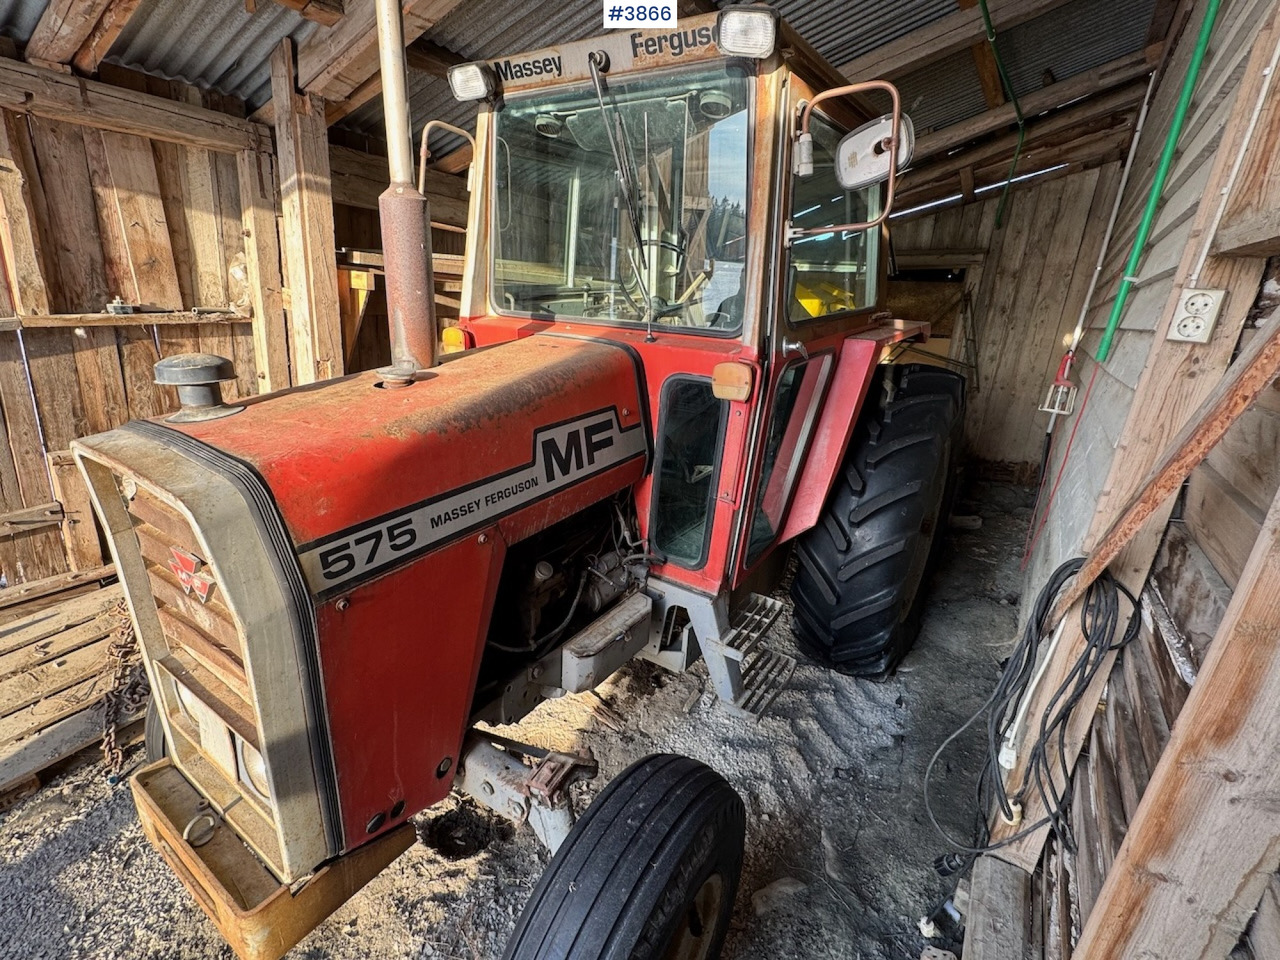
{"x": 831, "y": 777}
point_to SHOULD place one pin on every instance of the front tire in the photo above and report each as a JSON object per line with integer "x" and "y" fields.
{"x": 858, "y": 590}
{"x": 649, "y": 872}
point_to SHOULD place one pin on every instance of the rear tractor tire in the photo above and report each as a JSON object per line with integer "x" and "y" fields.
{"x": 648, "y": 873}
{"x": 858, "y": 590}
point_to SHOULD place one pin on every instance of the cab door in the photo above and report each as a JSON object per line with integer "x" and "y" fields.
{"x": 821, "y": 350}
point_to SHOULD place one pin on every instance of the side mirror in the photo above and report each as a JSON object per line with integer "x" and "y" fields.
{"x": 863, "y": 158}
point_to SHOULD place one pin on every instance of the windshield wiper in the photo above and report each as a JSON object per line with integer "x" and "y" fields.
{"x": 628, "y": 180}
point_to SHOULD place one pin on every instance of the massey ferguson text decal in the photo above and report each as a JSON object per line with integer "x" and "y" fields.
{"x": 563, "y": 454}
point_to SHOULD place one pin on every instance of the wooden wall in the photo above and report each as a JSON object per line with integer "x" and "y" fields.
{"x": 1098, "y": 425}
{"x": 1028, "y": 295}
{"x": 154, "y": 224}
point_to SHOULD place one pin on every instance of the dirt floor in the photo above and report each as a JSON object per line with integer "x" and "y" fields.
{"x": 831, "y": 778}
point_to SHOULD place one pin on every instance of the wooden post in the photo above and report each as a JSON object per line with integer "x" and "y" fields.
{"x": 19, "y": 238}
{"x": 1206, "y": 840}
{"x": 262, "y": 261}
{"x": 302, "y": 148}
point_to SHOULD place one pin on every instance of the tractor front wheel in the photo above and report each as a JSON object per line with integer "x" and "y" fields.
{"x": 648, "y": 873}
{"x": 858, "y": 589}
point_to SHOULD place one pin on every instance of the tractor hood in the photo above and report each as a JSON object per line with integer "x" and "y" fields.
{"x": 480, "y": 440}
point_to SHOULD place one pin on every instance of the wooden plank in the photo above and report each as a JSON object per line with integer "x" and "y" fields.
{"x": 104, "y": 34}
{"x": 20, "y": 241}
{"x": 1222, "y": 520}
{"x": 334, "y": 61}
{"x": 66, "y": 615}
{"x": 984, "y": 61}
{"x": 27, "y": 518}
{"x": 79, "y": 525}
{"x": 12, "y": 596}
{"x": 58, "y": 645}
{"x": 63, "y": 27}
{"x": 26, "y": 88}
{"x": 262, "y": 264}
{"x": 54, "y": 743}
{"x": 315, "y": 325}
{"x": 68, "y": 321}
{"x": 359, "y": 178}
{"x": 26, "y": 688}
{"x": 32, "y": 719}
{"x": 1205, "y": 842}
{"x": 1251, "y": 235}
{"x": 1264, "y": 935}
{"x": 144, "y": 226}
{"x": 997, "y": 924}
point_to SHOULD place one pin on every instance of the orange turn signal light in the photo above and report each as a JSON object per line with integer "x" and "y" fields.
{"x": 453, "y": 340}
{"x": 732, "y": 380}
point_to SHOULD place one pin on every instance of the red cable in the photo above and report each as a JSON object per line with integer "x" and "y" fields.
{"x": 1062, "y": 468}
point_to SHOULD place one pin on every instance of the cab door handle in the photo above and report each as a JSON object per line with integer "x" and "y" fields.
{"x": 794, "y": 348}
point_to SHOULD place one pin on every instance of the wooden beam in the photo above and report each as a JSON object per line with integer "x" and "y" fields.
{"x": 984, "y": 61}
{"x": 26, "y": 88}
{"x": 34, "y": 589}
{"x": 20, "y": 242}
{"x": 1205, "y": 840}
{"x": 306, "y": 201}
{"x": 257, "y": 180}
{"x": 326, "y": 12}
{"x": 63, "y": 27}
{"x": 1177, "y": 380}
{"x": 17, "y": 522}
{"x": 940, "y": 39}
{"x": 1257, "y": 235}
{"x": 455, "y": 161}
{"x": 334, "y": 61}
{"x": 69, "y": 321}
{"x": 358, "y": 179}
{"x": 103, "y": 35}
{"x": 1117, "y": 73}
{"x": 997, "y": 920}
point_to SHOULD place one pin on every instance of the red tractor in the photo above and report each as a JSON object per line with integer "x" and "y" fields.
{"x": 668, "y": 367}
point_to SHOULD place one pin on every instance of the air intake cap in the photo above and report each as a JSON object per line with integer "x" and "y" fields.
{"x": 197, "y": 377}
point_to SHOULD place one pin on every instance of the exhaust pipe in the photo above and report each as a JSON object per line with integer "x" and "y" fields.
{"x": 405, "y": 217}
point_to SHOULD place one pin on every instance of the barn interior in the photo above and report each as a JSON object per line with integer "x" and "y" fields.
{"x": 1087, "y": 226}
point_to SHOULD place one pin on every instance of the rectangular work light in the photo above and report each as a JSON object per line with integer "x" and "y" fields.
{"x": 471, "y": 81}
{"x": 748, "y": 31}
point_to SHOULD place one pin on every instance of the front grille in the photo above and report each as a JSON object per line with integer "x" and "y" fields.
{"x": 203, "y": 654}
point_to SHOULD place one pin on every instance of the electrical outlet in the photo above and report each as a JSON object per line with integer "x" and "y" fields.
{"x": 1196, "y": 314}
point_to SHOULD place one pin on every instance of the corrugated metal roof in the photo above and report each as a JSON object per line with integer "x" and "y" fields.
{"x": 210, "y": 43}
{"x": 943, "y": 93}
{"x": 1073, "y": 39}
{"x": 844, "y": 30}
{"x": 19, "y": 17}
{"x": 216, "y": 44}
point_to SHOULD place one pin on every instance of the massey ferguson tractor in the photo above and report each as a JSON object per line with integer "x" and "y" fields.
{"x": 668, "y": 368}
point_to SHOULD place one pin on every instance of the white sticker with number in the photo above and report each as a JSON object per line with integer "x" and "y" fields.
{"x": 641, "y": 15}
{"x": 563, "y": 454}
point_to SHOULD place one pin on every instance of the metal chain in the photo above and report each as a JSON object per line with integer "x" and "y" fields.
{"x": 129, "y": 687}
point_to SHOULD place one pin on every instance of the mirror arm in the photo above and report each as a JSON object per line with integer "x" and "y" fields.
{"x": 804, "y": 158}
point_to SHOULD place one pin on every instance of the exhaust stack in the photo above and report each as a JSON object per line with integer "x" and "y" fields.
{"x": 405, "y": 217}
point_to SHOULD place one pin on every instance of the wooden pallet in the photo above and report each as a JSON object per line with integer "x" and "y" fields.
{"x": 54, "y": 672}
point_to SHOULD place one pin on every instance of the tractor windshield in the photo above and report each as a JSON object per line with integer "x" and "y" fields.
{"x": 567, "y": 239}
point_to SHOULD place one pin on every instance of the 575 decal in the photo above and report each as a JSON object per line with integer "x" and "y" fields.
{"x": 343, "y": 558}
{"x": 563, "y": 454}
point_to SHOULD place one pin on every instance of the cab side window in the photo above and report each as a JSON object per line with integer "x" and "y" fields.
{"x": 833, "y": 272}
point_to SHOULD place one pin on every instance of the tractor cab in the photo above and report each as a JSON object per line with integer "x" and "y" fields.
{"x": 647, "y": 188}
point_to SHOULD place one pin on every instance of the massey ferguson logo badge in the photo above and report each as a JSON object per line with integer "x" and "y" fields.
{"x": 187, "y": 569}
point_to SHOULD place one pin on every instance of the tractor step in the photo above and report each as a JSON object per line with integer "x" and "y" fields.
{"x": 750, "y": 622}
{"x": 766, "y": 677}
{"x": 747, "y": 675}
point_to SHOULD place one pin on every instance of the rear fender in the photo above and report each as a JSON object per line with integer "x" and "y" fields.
{"x": 853, "y": 375}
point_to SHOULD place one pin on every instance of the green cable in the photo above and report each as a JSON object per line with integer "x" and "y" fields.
{"x": 1157, "y": 185}
{"x": 1017, "y": 109}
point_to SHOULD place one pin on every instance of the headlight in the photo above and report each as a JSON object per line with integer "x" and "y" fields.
{"x": 748, "y": 31}
{"x": 253, "y": 770}
{"x": 471, "y": 81}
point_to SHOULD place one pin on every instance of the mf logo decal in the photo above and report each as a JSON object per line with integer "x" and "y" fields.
{"x": 563, "y": 454}
{"x": 187, "y": 569}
